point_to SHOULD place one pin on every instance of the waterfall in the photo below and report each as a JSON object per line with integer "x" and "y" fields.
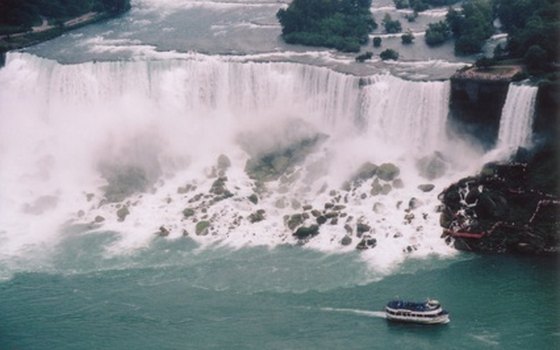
{"x": 516, "y": 122}
{"x": 68, "y": 132}
{"x": 407, "y": 113}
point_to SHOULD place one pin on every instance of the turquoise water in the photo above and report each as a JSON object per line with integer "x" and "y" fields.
{"x": 174, "y": 295}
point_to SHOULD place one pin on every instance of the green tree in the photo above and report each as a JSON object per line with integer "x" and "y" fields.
{"x": 536, "y": 58}
{"x": 389, "y": 54}
{"x": 407, "y": 38}
{"x": 340, "y": 24}
{"x": 437, "y": 33}
{"x": 376, "y": 41}
{"x": 391, "y": 26}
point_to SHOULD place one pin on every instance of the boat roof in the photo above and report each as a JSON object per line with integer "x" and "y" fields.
{"x": 414, "y": 306}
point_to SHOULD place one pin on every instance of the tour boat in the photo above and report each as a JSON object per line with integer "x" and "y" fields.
{"x": 428, "y": 312}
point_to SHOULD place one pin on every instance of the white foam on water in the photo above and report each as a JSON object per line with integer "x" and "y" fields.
{"x": 368, "y": 313}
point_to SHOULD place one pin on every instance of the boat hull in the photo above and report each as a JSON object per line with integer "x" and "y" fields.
{"x": 440, "y": 319}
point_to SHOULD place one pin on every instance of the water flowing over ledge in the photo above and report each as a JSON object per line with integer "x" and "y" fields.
{"x": 128, "y": 146}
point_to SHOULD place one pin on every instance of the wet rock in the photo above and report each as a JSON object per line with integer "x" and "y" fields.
{"x": 414, "y": 203}
{"x": 388, "y": 171}
{"x": 188, "y": 212}
{"x": 346, "y": 240}
{"x": 367, "y": 243}
{"x": 163, "y": 231}
{"x": 294, "y": 221}
{"x": 257, "y": 216}
{"x": 361, "y": 228}
{"x": 219, "y": 186}
{"x": 398, "y": 183}
{"x": 306, "y": 232}
{"x": 508, "y": 207}
{"x": 385, "y": 189}
{"x": 348, "y": 229}
{"x": 365, "y": 172}
{"x": 271, "y": 165}
{"x": 409, "y": 217}
{"x": 321, "y": 219}
{"x": 433, "y": 166}
{"x": 426, "y": 187}
{"x": 376, "y": 188}
{"x": 122, "y": 213}
{"x": 253, "y": 198}
{"x": 379, "y": 208}
{"x": 202, "y": 228}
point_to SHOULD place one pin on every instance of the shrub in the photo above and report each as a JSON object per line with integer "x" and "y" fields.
{"x": 437, "y": 33}
{"x": 389, "y": 54}
{"x": 391, "y": 26}
{"x": 407, "y": 38}
{"x": 376, "y": 41}
{"x": 365, "y": 56}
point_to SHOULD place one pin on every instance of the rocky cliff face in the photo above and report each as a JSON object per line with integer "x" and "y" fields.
{"x": 476, "y": 106}
{"x": 510, "y": 207}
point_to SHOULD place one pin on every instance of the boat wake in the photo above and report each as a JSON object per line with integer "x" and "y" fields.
{"x": 368, "y": 313}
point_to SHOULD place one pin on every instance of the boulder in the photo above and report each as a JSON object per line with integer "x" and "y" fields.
{"x": 361, "y": 228}
{"x": 398, "y": 183}
{"x": 367, "y": 243}
{"x": 346, "y": 240}
{"x": 414, "y": 203}
{"x": 202, "y": 228}
{"x": 294, "y": 221}
{"x": 257, "y": 216}
{"x": 188, "y": 212}
{"x": 426, "y": 187}
{"x": 321, "y": 219}
{"x": 163, "y": 231}
{"x": 433, "y": 166}
{"x": 122, "y": 213}
{"x": 365, "y": 172}
{"x": 306, "y": 232}
{"x": 253, "y": 198}
{"x": 388, "y": 171}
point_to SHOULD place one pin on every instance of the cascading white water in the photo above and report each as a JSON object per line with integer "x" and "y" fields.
{"x": 63, "y": 126}
{"x": 516, "y": 122}
{"x": 407, "y": 113}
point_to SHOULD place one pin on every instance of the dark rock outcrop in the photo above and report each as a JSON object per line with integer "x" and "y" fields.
{"x": 507, "y": 208}
{"x": 306, "y": 232}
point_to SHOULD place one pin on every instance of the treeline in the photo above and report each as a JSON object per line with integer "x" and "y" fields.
{"x": 21, "y": 15}
{"x": 533, "y": 29}
{"x": 340, "y": 24}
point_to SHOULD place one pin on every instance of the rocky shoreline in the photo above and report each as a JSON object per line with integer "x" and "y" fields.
{"x": 506, "y": 208}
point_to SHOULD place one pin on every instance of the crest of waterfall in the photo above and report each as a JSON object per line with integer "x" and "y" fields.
{"x": 516, "y": 122}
